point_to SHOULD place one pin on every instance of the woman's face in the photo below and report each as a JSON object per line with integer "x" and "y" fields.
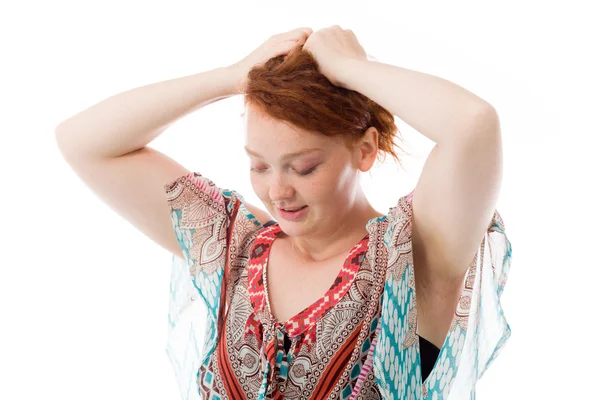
{"x": 291, "y": 168}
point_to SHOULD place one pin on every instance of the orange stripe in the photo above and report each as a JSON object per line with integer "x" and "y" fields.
{"x": 336, "y": 367}
{"x": 223, "y": 301}
{"x": 232, "y": 386}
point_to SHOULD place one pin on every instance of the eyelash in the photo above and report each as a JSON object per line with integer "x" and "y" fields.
{"x": 303, "y": 173}
{"x": 308, "y": 172}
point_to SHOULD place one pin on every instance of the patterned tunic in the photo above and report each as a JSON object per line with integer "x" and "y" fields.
{"x": 358, "y": 341}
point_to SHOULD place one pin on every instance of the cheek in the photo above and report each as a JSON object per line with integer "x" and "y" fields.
{"x": 326, "y": 188}
{"x": 260, "y": 189}
{"x": 319, "y": 189}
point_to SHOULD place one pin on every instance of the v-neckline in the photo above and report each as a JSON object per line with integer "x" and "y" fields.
{"x": 302, "y": 320}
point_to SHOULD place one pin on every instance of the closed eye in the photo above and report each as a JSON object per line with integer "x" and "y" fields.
{"x": 301, "y": 173}
{"x": 307, "y": 172}
{"x": 257, "y": 170}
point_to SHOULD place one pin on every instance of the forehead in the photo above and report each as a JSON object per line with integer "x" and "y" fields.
{"x": 269, "y": 136}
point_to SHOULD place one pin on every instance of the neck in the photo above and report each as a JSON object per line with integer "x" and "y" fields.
{"x": 336, "y": 242}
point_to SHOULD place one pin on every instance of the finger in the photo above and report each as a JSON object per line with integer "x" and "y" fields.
{"x": 284, "y": 47}
{"x": 305, "y": 30}
{"x": 296, "y": 33}
{"x": 301, "y": 39}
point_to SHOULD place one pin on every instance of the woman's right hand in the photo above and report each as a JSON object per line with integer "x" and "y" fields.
{"x": 276, "y": 45}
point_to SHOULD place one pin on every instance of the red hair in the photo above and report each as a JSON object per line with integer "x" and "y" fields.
{"x": 291, "y": 88}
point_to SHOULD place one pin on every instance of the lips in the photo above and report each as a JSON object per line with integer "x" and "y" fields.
{"x": 293, "y": 215}
{"x": 292, "y": 209}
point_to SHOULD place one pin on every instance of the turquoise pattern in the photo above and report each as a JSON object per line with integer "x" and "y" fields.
{"x": 186, "y": 329}
{"x": 185, "y": 326}
{"x": 472, "y": 342}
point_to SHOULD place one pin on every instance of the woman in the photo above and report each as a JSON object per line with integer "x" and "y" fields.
{"x": 410, "y": 287}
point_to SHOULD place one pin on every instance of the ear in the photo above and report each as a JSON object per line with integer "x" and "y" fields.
{"x": 367, "y": 149}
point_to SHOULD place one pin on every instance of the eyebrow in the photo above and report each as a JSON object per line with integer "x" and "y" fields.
{"x": 285, "y": 156}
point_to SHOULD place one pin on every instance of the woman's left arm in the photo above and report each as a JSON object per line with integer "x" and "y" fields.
{"x": 455, "y": 197}
{"x": 437, "y": 108}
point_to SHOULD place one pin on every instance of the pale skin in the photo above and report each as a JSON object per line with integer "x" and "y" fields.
{"x": 454, "y": 198}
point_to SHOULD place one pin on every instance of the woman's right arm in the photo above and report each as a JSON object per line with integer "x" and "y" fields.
{"x": 128, "y": 121}
{"x": 106, "y": 146}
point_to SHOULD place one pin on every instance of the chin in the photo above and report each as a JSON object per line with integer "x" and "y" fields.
{"x": 291, "y": 228}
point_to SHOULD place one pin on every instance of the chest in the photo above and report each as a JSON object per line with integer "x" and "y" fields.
{"x": 293, "y": 285}
{"x": 328, "y": 309}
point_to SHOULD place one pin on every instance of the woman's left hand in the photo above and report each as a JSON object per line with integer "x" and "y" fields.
{"x": 332, "y": 47}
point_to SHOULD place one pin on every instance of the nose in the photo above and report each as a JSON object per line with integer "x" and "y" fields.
{"x": 279, "y": 189}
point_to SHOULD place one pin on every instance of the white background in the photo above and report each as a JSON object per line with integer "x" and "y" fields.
{"x": 84, "y": 295}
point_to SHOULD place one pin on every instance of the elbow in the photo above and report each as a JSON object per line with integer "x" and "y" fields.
{"x": 487, "y": 110}
{"x": 59, "y": 136}
{"x": 484, "y": 121}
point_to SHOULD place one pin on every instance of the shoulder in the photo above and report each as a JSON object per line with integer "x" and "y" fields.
{"x": 400, "y": 215}
{"x": 262, "y": 216}
{"x": 194, "y": 187}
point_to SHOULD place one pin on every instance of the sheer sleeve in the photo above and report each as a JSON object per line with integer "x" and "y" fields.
{"x": 478, "y": 330}
{"x": 202, "y": 216}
